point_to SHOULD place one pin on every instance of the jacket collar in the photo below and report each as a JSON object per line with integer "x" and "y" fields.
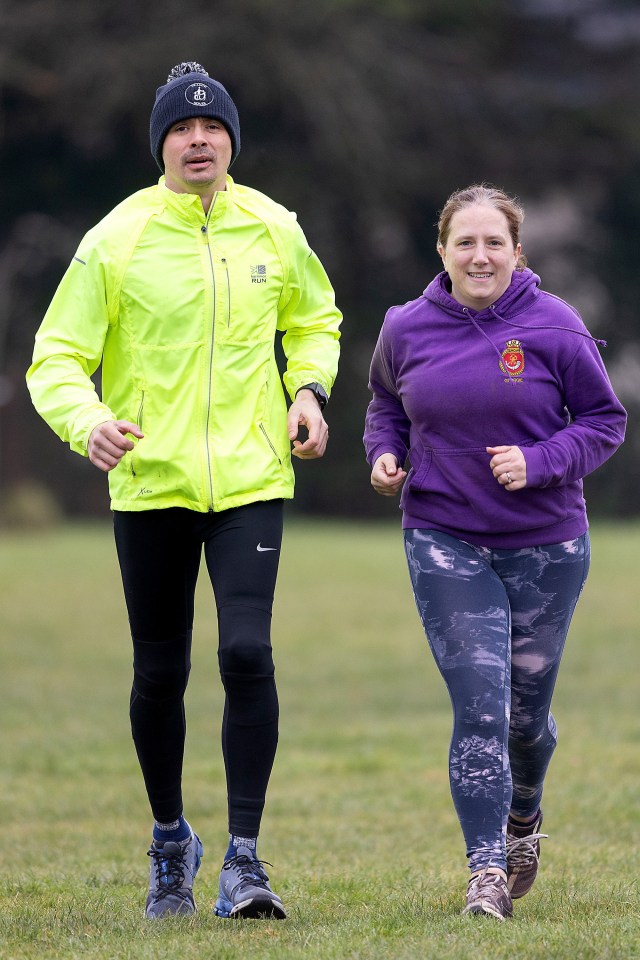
{"x": 188, "y": 206}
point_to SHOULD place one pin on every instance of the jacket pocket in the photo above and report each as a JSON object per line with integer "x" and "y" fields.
{"x": 263, "y": 431}
{"x": 139, "y": 420}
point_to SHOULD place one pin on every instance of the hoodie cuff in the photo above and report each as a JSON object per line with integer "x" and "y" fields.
{"x": 536, "y": 466}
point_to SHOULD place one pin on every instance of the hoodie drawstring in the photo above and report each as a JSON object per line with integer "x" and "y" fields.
{"x": 524, "y": 326}
{"x": 546, "y": 326}
{"x": 489, "y": 340}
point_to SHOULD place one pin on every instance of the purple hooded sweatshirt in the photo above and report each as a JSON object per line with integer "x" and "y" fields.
{"x": 449, "y": 381}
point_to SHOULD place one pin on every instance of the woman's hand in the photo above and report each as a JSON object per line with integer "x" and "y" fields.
{"x": 387, "y": 477}
{"x": 509, "y": 467}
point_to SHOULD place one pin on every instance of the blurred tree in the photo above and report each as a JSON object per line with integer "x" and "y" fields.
{"x": 363, "y": 117}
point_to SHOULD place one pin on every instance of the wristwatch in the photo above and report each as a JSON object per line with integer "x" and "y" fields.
{"x": 318, "y": 391}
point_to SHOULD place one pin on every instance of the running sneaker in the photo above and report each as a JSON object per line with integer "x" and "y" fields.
{"x": 245, "y": 890}
{"x": 173, "y": 866}
{"x": 523, "y": 855}
{"x": 488, "y": 893}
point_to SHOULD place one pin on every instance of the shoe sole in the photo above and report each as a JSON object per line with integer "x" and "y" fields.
{"x": 253, "y": 909}
{"x": 484, "y": 908}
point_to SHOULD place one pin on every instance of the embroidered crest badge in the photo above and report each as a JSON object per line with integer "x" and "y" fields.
{"x": 512, "y": 358}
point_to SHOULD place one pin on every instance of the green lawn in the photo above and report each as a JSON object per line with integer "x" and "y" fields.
{"x": 360, "y": 827}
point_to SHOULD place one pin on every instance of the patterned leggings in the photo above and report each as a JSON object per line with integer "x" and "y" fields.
{"x": 496, "y": 621}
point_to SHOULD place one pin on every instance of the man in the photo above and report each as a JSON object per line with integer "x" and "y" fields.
{"x": 178, "y": 293}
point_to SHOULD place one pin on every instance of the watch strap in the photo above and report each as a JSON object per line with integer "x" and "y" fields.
{"x": 318, "y": 391}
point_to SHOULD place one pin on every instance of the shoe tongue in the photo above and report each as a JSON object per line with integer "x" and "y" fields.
{"x": 523, "y": 829}
{"x": 246, "y": 852}
{"x": 170, "y": 847}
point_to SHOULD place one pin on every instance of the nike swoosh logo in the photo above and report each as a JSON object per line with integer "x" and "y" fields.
{"x": 262, "y": 549}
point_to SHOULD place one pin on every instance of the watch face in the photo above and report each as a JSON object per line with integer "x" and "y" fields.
{"x": 320, "y": 395}
{"x": 318, "y": 392}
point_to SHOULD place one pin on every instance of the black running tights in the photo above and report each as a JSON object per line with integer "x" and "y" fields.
{"x": 159, "y": 553}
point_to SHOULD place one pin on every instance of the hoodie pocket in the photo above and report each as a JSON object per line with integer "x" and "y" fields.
{"x": 418, "y": 474}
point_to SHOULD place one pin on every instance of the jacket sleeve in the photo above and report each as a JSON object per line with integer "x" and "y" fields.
{"x": 387, "y": 427}
{"x": 596, "y": 427}
{"x": 310, "y": 320}
{"x": 68, "y": 350}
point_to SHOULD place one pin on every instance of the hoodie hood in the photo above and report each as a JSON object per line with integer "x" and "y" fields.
{"x": 519, "y": 296}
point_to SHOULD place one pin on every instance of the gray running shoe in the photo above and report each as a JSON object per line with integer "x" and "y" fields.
{"x": 173, "y": 866}
{"x": 488, "y": 893}
{"x": 523, "y": 856}
{"x": 245, "y": 890}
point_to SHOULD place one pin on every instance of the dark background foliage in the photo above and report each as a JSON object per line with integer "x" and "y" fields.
{"x": 362, "y": 117}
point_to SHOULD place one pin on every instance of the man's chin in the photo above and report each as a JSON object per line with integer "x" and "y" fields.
{"x": 203, "y": 179}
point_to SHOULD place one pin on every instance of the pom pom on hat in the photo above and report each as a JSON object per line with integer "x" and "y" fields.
{"x": 191, "y": 92}
{"x": 187, "y": 66}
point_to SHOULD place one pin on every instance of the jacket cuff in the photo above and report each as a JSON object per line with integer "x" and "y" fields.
{"x": 84, "y": 426}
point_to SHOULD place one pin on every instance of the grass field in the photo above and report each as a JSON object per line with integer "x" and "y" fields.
{"x": 360, "y": 827}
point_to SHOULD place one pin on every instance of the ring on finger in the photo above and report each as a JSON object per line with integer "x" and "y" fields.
{"x": 509, "y": 479}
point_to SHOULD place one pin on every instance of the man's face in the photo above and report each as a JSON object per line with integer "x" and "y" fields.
{"x": 196, "y": 155}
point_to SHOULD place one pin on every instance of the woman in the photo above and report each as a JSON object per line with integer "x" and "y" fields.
{"x": 496, "y": 392}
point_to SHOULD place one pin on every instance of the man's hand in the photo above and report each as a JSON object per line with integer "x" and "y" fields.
{"x": 305, "y": 411}
{"x": 387, "y": 477}
{"x": 108, "y": 443}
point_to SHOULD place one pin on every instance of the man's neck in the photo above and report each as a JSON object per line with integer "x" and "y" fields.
{"x": 206, "y": 201}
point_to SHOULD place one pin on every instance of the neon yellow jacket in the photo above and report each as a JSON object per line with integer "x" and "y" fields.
{"x": 182, "y": 311}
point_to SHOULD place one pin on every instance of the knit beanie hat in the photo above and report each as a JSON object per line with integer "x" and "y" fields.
{"x": 191, "y": 92}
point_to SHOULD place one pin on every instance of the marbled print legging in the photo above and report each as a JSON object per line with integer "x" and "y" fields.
{"x": 496, "y": 621}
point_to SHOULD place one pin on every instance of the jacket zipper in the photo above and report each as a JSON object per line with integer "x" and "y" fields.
{"x": 204, "y": 230}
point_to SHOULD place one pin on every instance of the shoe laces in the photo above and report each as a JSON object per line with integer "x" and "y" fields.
{"x": 170, "y": 871}
{"x": 250, "y": 870}
{"x": 522, "y": 850}
{"x": 485, "y": 879}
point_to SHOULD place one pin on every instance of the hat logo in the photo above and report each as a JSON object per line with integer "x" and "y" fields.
{"x": 198, "y": 95}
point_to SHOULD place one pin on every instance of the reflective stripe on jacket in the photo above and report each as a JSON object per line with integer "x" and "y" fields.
{"x": 182, "y": 311}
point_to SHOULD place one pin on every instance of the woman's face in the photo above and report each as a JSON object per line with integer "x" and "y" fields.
{"x": 479, "y": 255}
